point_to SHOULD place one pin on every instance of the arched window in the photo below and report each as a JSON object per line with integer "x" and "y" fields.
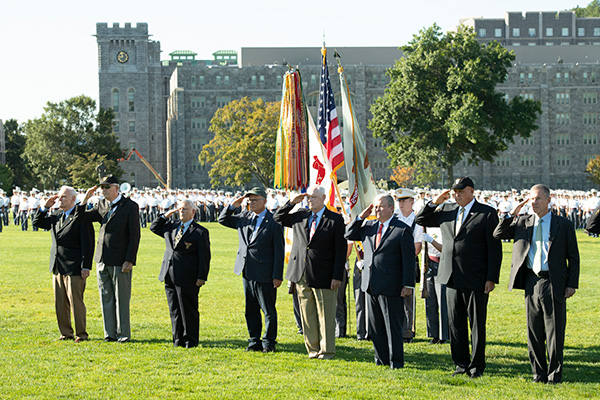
{"x": 131, "y": 98}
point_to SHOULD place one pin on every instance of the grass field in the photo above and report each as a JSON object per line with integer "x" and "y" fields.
{"x": 33, "y": 364}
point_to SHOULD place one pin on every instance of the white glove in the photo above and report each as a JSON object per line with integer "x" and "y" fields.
{"x": 427, "y": 237}
{"x": 360, "y": 265}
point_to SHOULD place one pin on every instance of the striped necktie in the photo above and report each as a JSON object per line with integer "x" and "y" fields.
{"x": 179, "y": 235}
{"x": 378, "y": 237}
{"x": 459, "y": 222}
{"x": 313, "y": 226}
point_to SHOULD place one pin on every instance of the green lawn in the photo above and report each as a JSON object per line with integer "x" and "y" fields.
{"x": 33, "y": 364}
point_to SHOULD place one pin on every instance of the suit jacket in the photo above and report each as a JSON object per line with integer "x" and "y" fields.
{"x": 119, "y": 236}
{"x": 322, "y": 258}
{"x": 593, "y": 223}
{"x": 393, "y": 262}
{"x": 187, "y": 261}
{"x": 72, "y": 244}
{"x": 473, "y": 256}
{"x": 262, "y": 258}
{"x": 563, "y": 253}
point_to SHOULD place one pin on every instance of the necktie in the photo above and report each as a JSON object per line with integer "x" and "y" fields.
{"x": 537, "y": 257}
{"x": 378, "y": 237}
{"x": 251, "y": 228}
{"x": 179, "y": 235}
{"x": 313, "y": 226}
{"x": 62, "y": 219}
{"x": 459, "y": 222}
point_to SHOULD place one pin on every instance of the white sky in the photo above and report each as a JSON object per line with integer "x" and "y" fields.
{"x": 48, "y": 53}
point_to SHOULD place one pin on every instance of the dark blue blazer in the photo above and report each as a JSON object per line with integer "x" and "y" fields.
{"x": 262, "y": 258}
{"x": 393, "y": 262}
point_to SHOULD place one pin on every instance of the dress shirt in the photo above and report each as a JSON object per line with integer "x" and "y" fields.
{"x": 259, "y": 219}
{"x": 545, "y": 225}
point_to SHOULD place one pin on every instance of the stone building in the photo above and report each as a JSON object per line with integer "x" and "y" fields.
{"x": 164, "y": 108}
{"x": 2, "y": 144}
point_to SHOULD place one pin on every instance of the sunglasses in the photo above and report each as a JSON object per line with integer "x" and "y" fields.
{"x": 105, "y": 186}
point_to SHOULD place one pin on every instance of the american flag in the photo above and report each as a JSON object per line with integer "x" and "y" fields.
{"x": 327, "y": 122}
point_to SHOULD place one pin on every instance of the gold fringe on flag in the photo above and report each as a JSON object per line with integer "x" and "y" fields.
{"x": 291, "y": 153}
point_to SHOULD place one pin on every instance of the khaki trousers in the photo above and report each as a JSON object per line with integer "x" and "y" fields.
{"x": 317, "y": 308}
{"x": 68, "y": 297}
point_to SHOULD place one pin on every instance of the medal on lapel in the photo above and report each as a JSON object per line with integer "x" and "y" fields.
{"x": 187, "y": 245}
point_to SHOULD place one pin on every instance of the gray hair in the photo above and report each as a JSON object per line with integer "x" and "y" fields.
{"x": 541, "y": 188}
{"x": 317, "y": 190}
{"x": 69, "y": 190}
{"x": 388, "y": 198}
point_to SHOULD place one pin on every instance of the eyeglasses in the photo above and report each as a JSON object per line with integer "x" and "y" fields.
{"x": 254, "y": 200}
{"x": 105, "y": 186}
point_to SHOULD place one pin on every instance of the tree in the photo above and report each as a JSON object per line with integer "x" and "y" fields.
{"x": 591, "y": 10}
{"x": 593, "y": 169}
{"x": 15, "y": 146}
{"x": 442, "y": 100}
{"x": 403, "y": 176}
{"x": 70, "y": 133}
{"x": 244, "y": 143}
{"x": 6, "y": 178}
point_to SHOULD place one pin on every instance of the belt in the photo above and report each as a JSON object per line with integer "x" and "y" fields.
{"x": 541, "y": 274}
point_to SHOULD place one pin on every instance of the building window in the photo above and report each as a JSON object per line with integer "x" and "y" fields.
{"x": 590, "y": 98}
{"x": 115, "y": 100}
{"x": 218, "y": 80}
{"x": 253, "y": 80}
{"x": 530, "y": 77}
{"x": 531, "y": 32}
{"x": 503, "y": 161}
{"x": 116, "y": 127}
{"x": 498, "y": 32}
{"x": 516, "y": 32}
{"x": 585, "y": 77}
{"x": 375, "y": 79}
{"x": 563, "y": 119}
{"x": 549, "y": 32}
{"x": 590, "y": 118}
{"x": 521, "y": 77}
{"x": 562, "y": 98}
{"x": 563, "y": 139}
{"x": 222, "y": 101}
{"x": 313, "y": 80}
{"x": 596, "y": 31}
{"x": 226, "y": 80}
{"x": 193, "y": 81}
{"x": 558, "y": 77}
{"x": 482, "y": 33}
{"x": 201, "y": 80}
{"x": 279, "y": 80}
{"x": 131, "y": 99}
{"x": 593, "y": 77}
{"x": 195, "y": 102}
{"x": 131, "y": 126}
{"x": 262, "y": 79}
{"x": 590, "y": 138}
{"x": 565, "y": 31}
{"x": 566, "y": 77}
{"x": 580, "y": 32}
{"x": 563, "y": 160}
{"x": 527, "y": 96}
{"x": 527, "y": 141}
{"x": 527, "y": 161}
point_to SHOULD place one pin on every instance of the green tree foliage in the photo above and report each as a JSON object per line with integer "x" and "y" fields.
{"x": 244, "y": 143}
{"x": 6, "y": 178}
{"x": 70, "y": 133}
{"x": 593, "y": 169}
{"x": 442, "y": 101}
{"x": 15, "y": 146}
{"x": 591, "y": 10}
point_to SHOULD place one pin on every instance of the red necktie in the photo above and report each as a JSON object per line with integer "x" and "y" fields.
{"x": 378, "y": 237}
{"x": 313, "y": 226}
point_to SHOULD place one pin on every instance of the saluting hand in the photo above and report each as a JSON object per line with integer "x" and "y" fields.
{"x": 50, "y": 202}
{"x": 442, "y": 197}
{"x": 297, "y": 199}
{"x": 366, "y": 212}
{"x": 515, "y": 211}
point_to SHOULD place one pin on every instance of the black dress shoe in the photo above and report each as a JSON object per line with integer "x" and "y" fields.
{"x": 269, "y": 349}
{"x": 459, "y": 371}
{"x": 539, "y": 380}
{"x": 109, "y": 339}
{"x": 434, "y": 341}
{"x": 476, "y": 374}
{"x": 408, "y": 340}
{"x": 442, "y": 341}
{"x": 62, "y": 337}
{"x": 254, "y": 347}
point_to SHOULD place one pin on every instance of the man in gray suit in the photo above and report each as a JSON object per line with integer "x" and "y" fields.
{"x": 390, "y": 262}
{"x": 545, "y": 263}
{"x": 260, "y": 258}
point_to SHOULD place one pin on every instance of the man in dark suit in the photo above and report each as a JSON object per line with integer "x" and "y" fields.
{"x": 260, "y": 259}
{"x": 184, "y": 269}
{"x": 70, "y": 261}
{"x": 545, "y": 263}
{"x": 116, "y": 253}
{"x": 316, "y": 266}
{"x": 469, "y": 267}
{"x": 390, "y": 260}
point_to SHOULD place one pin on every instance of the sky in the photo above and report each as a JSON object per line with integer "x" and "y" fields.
{"x": 48, "y": 51}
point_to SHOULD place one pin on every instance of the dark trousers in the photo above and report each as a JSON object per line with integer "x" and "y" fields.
{"x": 360, "y": 301}
{"x": 467, "y": 307}
{"x": 183, "y": 308}
{"x": 436, "y": 309}
{"x": 546, "y": 323}
{"x": 261, "y": 296}
{"x": 24, "y": 220}
{"x": 33, "y": 227}
{"x": 385, "y": 326}
{"x": 341, "y": 309}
